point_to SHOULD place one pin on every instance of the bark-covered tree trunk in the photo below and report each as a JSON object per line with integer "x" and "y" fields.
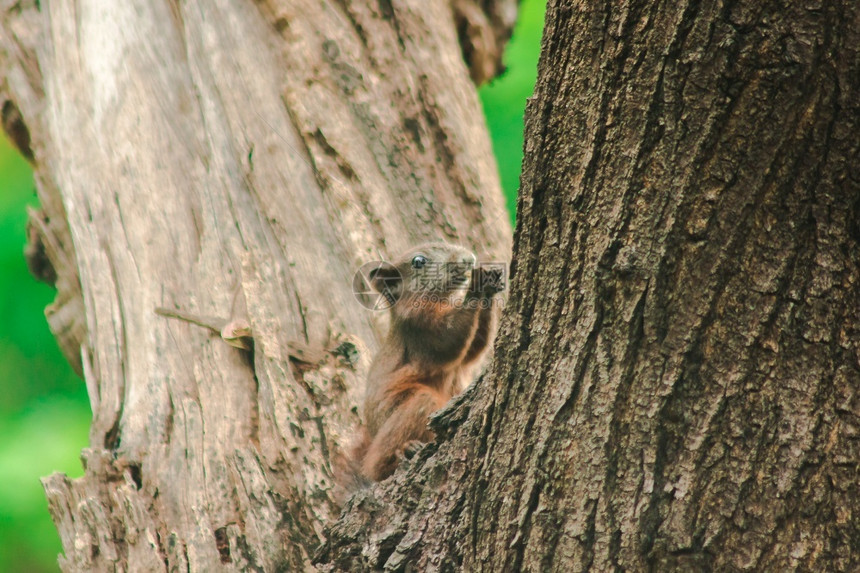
{"x": 677, "y": 380}
{"x": 237, "y": 161}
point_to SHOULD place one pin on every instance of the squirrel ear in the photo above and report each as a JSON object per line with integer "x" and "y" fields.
{"x": 386, "y": 279}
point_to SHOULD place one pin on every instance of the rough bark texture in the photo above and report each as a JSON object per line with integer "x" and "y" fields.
{"x": 677, "y": 381}
{"x": 236, "y": 160}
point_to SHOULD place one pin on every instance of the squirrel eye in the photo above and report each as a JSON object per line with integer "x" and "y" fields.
{"x": 418, "y": 261}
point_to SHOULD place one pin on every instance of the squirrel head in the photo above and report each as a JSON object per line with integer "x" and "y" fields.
{"x": 440, "y": 270}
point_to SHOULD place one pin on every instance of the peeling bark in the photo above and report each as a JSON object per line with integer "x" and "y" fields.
{"x": 236, "y": 160}
{"x": 676, "y": 380}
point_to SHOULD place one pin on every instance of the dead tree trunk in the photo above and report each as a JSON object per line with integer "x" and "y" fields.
{"x": 235, "y": 160}
{"x": 677, "y": 381}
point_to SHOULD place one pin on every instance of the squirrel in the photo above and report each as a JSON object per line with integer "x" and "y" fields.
{"x": 443, "y": 320}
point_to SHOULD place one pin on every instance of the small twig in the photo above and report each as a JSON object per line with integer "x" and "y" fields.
{"x": 214, "y": 324}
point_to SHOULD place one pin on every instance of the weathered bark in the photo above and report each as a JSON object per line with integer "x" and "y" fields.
{"x": 237, "y": 160}
{"x": 677, "y": 379}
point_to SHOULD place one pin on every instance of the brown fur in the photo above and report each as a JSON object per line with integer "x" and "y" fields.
{"x": 427, "y": 358}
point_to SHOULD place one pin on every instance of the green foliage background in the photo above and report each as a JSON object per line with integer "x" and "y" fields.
{"x": 44, "y": 409}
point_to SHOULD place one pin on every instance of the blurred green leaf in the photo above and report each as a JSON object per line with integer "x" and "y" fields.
{"x": 44, "y": 410}
{"x": 504, "y": 99}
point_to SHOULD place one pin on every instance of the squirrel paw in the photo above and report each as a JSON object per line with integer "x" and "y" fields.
{"x": 489, "y": 279}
